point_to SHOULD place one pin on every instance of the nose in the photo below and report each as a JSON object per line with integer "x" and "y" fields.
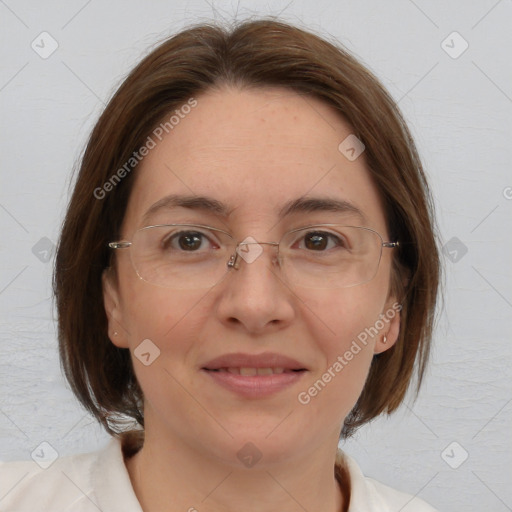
{"x": 253, "y": 295}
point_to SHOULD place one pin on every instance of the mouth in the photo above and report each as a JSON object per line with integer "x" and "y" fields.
{"x": 252, "y": 372}
{"x": 254, "y": 375}
{"x": 266, "y": 363}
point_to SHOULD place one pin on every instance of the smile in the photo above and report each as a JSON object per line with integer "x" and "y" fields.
{"x": 251, "y": 372}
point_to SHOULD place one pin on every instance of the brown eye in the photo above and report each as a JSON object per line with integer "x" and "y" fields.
{"x": 190, "y": 241}
{"x": 316, "y": 241}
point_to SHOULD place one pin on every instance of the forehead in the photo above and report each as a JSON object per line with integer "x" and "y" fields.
{"x": 254, "y": 150}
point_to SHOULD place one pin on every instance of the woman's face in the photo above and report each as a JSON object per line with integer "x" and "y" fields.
{"x": 254, "y": 152}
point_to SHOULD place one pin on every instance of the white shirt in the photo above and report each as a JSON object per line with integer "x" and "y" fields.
{"x": 99, "y": 482}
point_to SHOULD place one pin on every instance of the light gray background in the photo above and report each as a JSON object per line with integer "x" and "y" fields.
{"x": 460, "y": 111}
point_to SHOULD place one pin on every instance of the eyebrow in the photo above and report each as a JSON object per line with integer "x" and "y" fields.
{"x": 319, "y": 204}
{"x": 213, "y": 206}
{"x": 202, "y": 203}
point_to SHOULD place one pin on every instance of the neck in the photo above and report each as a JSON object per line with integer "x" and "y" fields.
{"x": 174, "y": 477}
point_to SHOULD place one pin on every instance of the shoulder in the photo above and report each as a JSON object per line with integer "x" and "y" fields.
{"x": 369, "y": 495}
{"x": 25, "y": 485}
{"x": 81, "y": 483}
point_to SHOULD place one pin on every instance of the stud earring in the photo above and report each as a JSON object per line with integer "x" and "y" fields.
{"x": 115, "y": 333}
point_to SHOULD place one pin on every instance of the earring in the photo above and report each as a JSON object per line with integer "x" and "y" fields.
{"x": 385, "y": 339}
{"x": 115, "y": 333}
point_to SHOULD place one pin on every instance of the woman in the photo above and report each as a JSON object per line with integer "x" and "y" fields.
{"x": 247, "y": 272}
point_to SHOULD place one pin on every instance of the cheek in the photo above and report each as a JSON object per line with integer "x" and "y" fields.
{"x": 342, "y": 316}
{"x": 148, "y": 311}
{"x": 173, "y": 321}
{"x": 170, "y": 319}
{"x": 342, "y": 323}
{"x": 163, "y": 328}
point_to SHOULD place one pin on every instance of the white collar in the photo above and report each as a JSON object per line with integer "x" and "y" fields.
{"x": 114, "y": 491}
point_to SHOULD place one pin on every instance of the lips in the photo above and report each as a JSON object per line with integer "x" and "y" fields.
{"x": 256, "y": 376}
{"x": 267, "y": 363}
{"x": 251, "y": 372}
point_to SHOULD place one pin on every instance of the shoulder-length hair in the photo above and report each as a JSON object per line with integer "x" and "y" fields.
{"x": 252, "y": 54}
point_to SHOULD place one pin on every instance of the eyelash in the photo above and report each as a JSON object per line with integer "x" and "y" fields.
{"x": 176, "y": 236}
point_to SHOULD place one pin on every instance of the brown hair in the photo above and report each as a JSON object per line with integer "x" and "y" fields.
{"x": 258, "y": 53}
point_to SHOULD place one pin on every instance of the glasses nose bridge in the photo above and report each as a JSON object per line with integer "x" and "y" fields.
{"x": 246, "y": 254}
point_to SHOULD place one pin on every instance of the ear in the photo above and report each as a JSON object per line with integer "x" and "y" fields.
{"x": 390, "y": 317}
{"x": 116, "y": 331}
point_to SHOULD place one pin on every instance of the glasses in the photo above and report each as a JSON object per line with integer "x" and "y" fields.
{"x": 191, "y": 256}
